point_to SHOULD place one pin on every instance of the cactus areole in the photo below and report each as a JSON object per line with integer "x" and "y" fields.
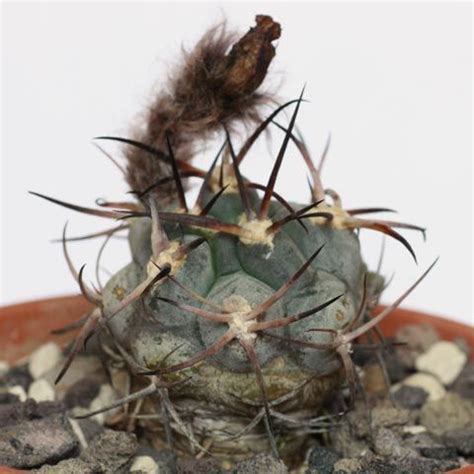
{"x": 236, "y": 315}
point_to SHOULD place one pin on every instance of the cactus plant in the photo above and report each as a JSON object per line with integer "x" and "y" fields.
{"x": 237, "y": 315}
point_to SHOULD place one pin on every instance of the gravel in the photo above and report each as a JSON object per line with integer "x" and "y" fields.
{"x": 429, "y": 383}
{"x": 444, "y": 359}
{"x": 462, "y": 440}
{"x": 450, "y": 413}
{"x": 262, "y": 463}
{"x": 430, "y": 447}
{"x": 36, "y": 442}
{"x": 43, "y": 359}
{"x": 144, "y": 465}
{"x": 18, "y": 375}
{"x": 14, "y": 413}
{"x": 464, "y": 385}
{"x": 41, "y": 391}
{"x": 322, "y": 460}
{"x": 417, "y": 338}
{"x": 82, "y": 392}
{"x": 111, "y": 450}
{"x": 410, "y": 397}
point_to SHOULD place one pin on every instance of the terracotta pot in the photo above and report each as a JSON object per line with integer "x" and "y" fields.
{"x": 26, "y": 326}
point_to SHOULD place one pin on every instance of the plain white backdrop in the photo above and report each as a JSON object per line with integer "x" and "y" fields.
{"x": 391, "y": 82}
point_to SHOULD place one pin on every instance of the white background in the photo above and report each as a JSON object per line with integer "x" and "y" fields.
{"x": 391, "y": 82}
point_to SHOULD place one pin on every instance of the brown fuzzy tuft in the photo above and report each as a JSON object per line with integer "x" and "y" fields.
{"x": 212, "y": 88}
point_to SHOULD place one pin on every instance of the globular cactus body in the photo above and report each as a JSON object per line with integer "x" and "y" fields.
{"x": 243, "y": 308}
{"x": 239, "y": 276}
{"x": 222, "y": 270}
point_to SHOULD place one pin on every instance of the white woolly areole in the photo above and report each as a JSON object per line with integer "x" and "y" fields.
{"x": 239, "y": 308}
{"x": 167, "y": 256}
{"x": 340, "y": 218}
{"x": 255, "y": 231}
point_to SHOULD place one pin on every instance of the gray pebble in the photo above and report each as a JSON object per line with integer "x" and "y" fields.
{"x": 262, "y": 463}
{"x": 14, "y": 413}
{"x": 462, "y": 440}
{"x": 450, "y": 413}
{"x": 322, "y": 460}
{"x": 19, "y": 375}
{"x": 199, "y": 466}
{"x": 410, "y": 397}
{"x": 429, "y": 383}
{"x": 430, "y": 447}
{"x": 8, "y": 397}
{"x": 111, "y": 450}
{"x": 82, "y": 392}
{"x": 464, "y": 385}
{"x": 69, "y": 466}
{"x": 36, "y": 442}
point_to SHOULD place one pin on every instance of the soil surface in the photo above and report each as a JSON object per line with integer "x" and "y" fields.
{"x": 413, "y": 414}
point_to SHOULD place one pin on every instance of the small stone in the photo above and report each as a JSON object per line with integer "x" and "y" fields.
{"x": 347, "y": 465}
{"x": 385, "y": 441}
{"x": 430, "y": 384}
{"x": 414, "y": 429}
{"x": 44, "y": 359}
{"x": 462, "y": 440}
{"x": 444, "y": 360}
{"x": 82, "y": 393}
{"x": 4, "y": 368}
{"x": 111, "y": 450}
{"x": 259, "y": 464}
{"x": 321, "y": 460}
{"x": 69, "y": 466}
{"x": 463, "y": 345}
{"x": 417, "y": 338}
{"x": 14, "y": 413}
{"x": 41, "y": 391}
{"x": 386, "y": 415}
{"x": 145, "y": 465}
{"x": 36, "y": 442}
{"x": 7, "y": 397}
{"x": 166, "y": 459}
{"x": 83, "y": 366}
{"x": 429, "y": 447}
{"x": 19, "y": 375}
{"x": 395, "y": 369}
{"x": 450, "y": 413}
{"x": 388, "y": 443}
{"x": 410, "y": 397}
{"x": 19, "y": 392}
{"x": 188, "y": 465}
{"x": 464, "y": 384}
{"x": 345, "y": 444}
{"x": 406, "y": 465}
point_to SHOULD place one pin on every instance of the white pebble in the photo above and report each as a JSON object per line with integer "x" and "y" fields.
{"x": 105, "y": 397}
{"x": 415, "y": 429}
{"x": 444, "y": 360}
{"x": 428, "y": 383}
{"x": 44, "y": 359}
{"x": 4, "y": 368}
{"x": 19, "y": 391}
{"x": 144, "y": 464}
{"x": 41, "y": 391}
